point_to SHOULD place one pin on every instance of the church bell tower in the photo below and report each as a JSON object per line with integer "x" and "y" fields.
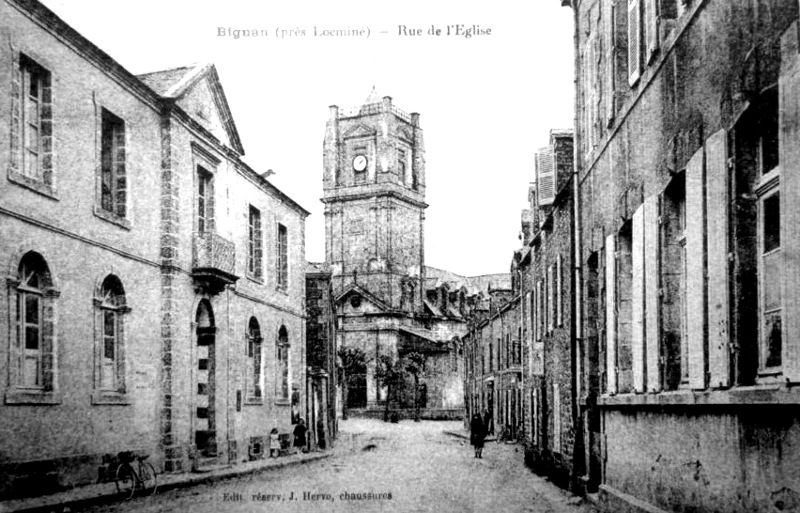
{"x": 374, "y": 196}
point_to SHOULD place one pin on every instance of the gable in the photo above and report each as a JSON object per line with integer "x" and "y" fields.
{"x": 405, "y": 135}
{"x": 198, "y": 101}
{"x": 356, "y": 300}
{"x": 360, "y": 130}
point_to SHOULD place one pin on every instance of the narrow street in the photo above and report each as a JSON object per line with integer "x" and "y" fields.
{"x": 405, "y": 467}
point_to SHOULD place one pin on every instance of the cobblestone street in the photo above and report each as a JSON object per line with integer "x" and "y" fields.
{"x": 405, "y": 467}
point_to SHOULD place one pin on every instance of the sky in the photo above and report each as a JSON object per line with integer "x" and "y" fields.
{"x": 486, "y": 102}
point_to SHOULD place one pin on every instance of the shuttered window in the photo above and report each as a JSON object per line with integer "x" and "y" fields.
{"x": 695, "y": 269}
{"x": 611, "y": 315}
{"x": 546, "y": 176}
{"x": 634, "y": 41}
{"x": 637, "y": 300}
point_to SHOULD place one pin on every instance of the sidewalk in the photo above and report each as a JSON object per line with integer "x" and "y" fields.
{"x": 107, "y": 492}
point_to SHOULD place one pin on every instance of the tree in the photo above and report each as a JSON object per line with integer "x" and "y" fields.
{"x": 354, "y": 362}
{"x": 414, "y": 364}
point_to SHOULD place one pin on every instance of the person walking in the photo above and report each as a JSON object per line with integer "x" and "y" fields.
{"x": 477, "y": 434}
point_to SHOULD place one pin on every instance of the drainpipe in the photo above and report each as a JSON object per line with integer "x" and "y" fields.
{"x": 576, "y": 326}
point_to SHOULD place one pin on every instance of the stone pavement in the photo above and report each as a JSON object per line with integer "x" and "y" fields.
{"x": 94, "y": 494}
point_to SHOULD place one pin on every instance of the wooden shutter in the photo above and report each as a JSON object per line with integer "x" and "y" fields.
{"x": 559, "y": 293}
{"x": 789, "y": 137}
{"x": 610, "y": 71}
{"x": 718, "y": 299}
{"x": 611, "y": 315}
{"x": 651, "y": 291}
{"x": 637, "y": 300}
{"x": 545, "y": 176}
{"x": 550, "y": 300}
{"x": 634, "y": 41}
{"x": 651, "y": 22}
{"x": 695, "y": 269}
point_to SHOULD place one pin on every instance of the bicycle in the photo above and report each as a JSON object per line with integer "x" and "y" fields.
{"x": 135, "y": 476}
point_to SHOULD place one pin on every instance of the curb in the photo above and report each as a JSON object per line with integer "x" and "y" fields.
{"x": 61, "y": 502}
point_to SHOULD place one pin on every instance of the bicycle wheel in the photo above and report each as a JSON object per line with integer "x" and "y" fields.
{"x": 148, "y": 478}
{"x": 126, "y": 480}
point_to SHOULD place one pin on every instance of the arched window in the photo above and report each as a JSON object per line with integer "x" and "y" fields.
{"x": 110, "y": 311}
{"x": 253, "y": 369}
{"x": 33, "y": 344}
{"x": 282, "y": 362}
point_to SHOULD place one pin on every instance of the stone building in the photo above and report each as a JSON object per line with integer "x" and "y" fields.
{"x": 689, "y": 332}
{"x": 546, "y": 305}
{"x": 387, "y": 301}
{"x": 322, "y": 358}
{"x": 154, "y": 282}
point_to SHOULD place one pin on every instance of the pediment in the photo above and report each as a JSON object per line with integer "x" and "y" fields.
{"x": 405, "y": 135}
{"x": 360, "y": 130}
{"x": 196, "y": 89}
{"x": 356, "y": 299}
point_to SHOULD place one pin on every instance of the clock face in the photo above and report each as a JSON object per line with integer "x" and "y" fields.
{"x": 360, "y": 163}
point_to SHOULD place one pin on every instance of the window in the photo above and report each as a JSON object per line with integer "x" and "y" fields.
{"x": 32, "y": 130}
{"x": 254, "y": 244}
{"x": 282, "y": 261}
{"x": 624, "y": 307}
{"x": 758, "y": 267}
{"x": 253, "y": 370}
{"x": 556, "y": 418}
{"x": 401, "y": 165}
{"x": 205, "y": 201}
{"x": 634, "y": 41}
{"x": 32, "y": 373}
{"x": 282, "y": 361}
{"x": 112, "y": 164}
{"x": 110, "y": 311}
{"x": 674, "y": 339}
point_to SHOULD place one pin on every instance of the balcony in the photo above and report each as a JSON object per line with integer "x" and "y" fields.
{"x": 213, "y": 262}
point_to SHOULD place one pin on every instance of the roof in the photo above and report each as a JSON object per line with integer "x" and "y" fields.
{"x": 373, "y": 97}
{"x": 473, "y": 284}
{"x": 175, "y": 83}
{"x": 165, "y": 82}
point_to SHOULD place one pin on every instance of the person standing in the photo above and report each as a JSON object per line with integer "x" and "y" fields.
{"x": 300, "y": 435}
{"x": 477, "y": 434}
{"x": 488, "y": 425}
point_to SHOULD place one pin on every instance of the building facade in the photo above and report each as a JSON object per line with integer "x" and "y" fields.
{"x": 322, "y": 358}
{"x": 688, "y": 337}
{"x": 546, "y": 288}
{"x": 155, "y": 283}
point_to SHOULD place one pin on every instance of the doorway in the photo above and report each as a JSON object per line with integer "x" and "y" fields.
{"x": 205, "y": 432}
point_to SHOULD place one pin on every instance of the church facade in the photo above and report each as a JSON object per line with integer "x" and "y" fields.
{"x": 388, "y": 303}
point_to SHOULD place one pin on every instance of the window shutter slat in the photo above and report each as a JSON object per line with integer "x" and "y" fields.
{"x": 611, "y": 315}
{"x": 637, "y": 306}
{"x": 545, "y": 176}
{"x": 695, "y": 275}
{"x": 718, "y": 307}
{"x": 789, "y": 144}
{"x": 634, "y": 41}
{"x": 651, "y": 306}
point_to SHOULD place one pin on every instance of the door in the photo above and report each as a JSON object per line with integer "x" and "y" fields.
{"x": 205, "y": 434}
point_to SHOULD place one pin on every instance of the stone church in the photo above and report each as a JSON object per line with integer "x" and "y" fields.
{"x": 387, "y": 301}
